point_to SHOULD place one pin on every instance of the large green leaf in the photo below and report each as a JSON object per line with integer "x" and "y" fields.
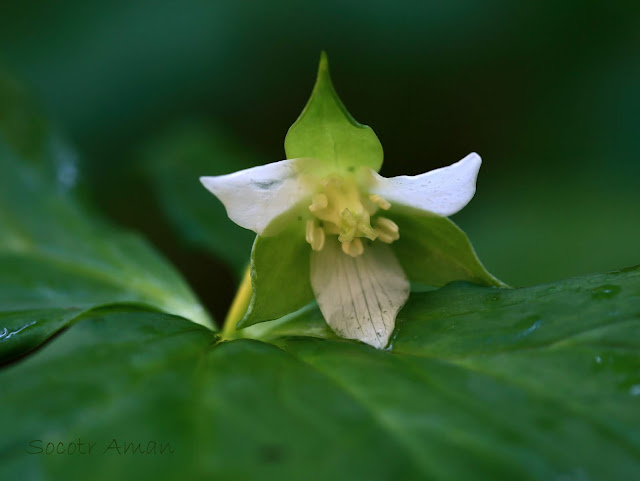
{"x": 54, "y": 253}
{"x": 326, "y": 131}
{"x": 479, "y": 383}
{"x": 58, "y": 258}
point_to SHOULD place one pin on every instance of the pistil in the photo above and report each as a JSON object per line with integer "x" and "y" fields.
{"x": 341, "y": 208}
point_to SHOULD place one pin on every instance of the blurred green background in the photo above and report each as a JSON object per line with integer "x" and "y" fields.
{"x": 154, "y": 93}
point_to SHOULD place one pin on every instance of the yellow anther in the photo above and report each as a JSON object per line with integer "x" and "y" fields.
{"x": 318, "y": 243}
{"x": 353, "y": 248}
{"x": 387, "y": 230}
{"x": 340, "y": 207}
{"x": 318, "y": 202}
{"x": 387, "y": 224}
{"x": 315, "y": 235}
{"x": 380, "y": 202}
{"x": 309, "y": 230}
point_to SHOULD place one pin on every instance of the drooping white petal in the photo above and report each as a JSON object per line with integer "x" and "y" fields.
{"x": 442, "y": 191}
{"x": 254, "y": 197}
{"x": 359, "y": 296}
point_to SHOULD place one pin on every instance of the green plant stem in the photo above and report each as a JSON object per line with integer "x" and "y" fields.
{"x": 238, "y": 306}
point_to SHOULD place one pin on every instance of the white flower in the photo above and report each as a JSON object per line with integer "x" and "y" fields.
{"x": 330, "y": 228}
{"x": 350, "y": 226}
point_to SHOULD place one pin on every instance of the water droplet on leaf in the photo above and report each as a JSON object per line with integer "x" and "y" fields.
{"x": 605, "y": 292}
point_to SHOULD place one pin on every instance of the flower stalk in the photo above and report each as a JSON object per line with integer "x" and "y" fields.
{"x": 239, "y": 306}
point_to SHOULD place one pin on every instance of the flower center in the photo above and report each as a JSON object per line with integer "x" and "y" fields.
{"x": 341, "y": 208}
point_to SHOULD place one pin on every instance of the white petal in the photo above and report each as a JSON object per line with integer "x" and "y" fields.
{"x": 359, "y": 297}
{"x": 254, "y": 197}
{"x": 443, "y": 191}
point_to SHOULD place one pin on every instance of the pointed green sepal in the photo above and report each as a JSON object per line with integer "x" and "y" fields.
{"x": 326, "y": 131}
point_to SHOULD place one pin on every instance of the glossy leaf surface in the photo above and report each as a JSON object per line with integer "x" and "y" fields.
{"x": 58, "y": 258}
{"x": 480, "y": 383}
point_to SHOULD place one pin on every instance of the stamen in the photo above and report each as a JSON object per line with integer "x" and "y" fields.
{"x": 318, "y": 240}
{"x": 315, "y": 235}
{"x": 387, "y": 224}
{"x": 380, "y": 202}
{"x": 341, "y": 208}
{"x": 387, "y": 239}
{"x": 309, "y": 230}
{"x": 318, "y": 202}
{"x": 387, "y": 230}
{"x": 353, "y": 248}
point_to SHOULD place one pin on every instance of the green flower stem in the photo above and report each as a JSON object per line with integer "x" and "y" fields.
{"x": 238, "y": 306}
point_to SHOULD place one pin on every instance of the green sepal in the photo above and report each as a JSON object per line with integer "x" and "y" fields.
{"x": 279, "y": 275}
{"x": 435, "y": 251}
{"x": 326, "y": 131}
